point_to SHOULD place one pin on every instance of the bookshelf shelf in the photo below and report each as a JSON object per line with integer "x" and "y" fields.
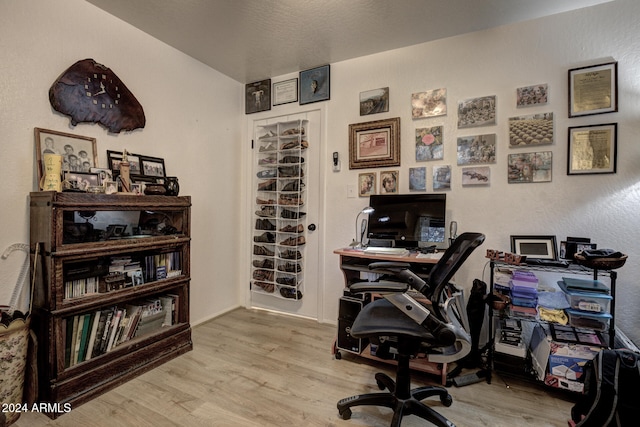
{"x": 111, "y": 297}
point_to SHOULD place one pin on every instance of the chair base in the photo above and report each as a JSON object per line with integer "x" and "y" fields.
{"x": 401, "y": 406}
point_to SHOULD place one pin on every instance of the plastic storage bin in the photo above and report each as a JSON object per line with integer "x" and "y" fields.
{"x": 585, "y": 319}
{"x": 587, "y": 301}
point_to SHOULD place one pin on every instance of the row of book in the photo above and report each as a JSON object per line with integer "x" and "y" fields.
{"x": 82, "y": 280}
{"x": 92, "y": 334}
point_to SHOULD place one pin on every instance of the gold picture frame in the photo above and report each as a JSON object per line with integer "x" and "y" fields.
{"x": 374, "y": 144}
{"x": 592, "y": 149}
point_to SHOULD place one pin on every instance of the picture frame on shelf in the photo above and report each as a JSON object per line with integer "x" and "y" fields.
{"x": 315, "y": 84}
{"x": 81, "y": 181}
{"x": 110, "y": 187}
{"x": 366, "y": 184}
{"x": 70, "y": 146}
{"x": 389, "y": 182}
{"x": 535, "y": 247}
{"x": 593, "y": 89}
{"x": 258, "y": 96}
{"x": 114, "y": 158}
{"x": 285, "y": 92}
{"x": 153, "y": 166}
{"x": 374, "y": 144}
{"x": 592, "y": 149}
{"x": 104, "y": 174}
{"x": 374, "y": 101}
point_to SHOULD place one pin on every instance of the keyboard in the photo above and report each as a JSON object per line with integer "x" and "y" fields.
{"x": 399, "y": 252}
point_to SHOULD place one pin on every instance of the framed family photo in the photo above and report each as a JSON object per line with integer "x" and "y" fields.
{"x": 592, "y": 149}
{"x": 374, "y": 144}
{"x": 78, "y": 152}
{"x": 115, "y": 158}
{"x": 593, "y": 89}
{"x": 152, "y": 166}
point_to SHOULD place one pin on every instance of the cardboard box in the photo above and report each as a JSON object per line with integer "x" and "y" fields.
{"x": 566, "y": 361}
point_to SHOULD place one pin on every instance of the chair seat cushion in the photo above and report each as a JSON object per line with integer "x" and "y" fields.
{"x": 381, "y": 318}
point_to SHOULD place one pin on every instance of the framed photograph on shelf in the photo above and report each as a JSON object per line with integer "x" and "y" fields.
{"x": 535, "y": 247}
{"x": 114, "y": 158}
{"x": 258, "y": 96}
{"x": 81, "y": 181}
{"x": 285, "y": 92}
{"x": 389, "y": 182}
{"x": 315, "y": 85}
{"x": 78, "y": 152}
{"x": 152, "y": 166}
{"x": 592, "y": 149}
{"x": 374, "y": 144}
{"x": 366, "y": 184}
{"x": 431, "y": 103}
{"x": 374, "y": 101}
{"x": 593, "y": 89}
{"x": 103, "y": 174}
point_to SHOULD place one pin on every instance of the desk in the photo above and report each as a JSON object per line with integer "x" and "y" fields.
{"x": 352, "y": 263}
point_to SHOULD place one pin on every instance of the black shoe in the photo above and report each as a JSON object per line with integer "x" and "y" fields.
{"x": 265, "y": 237}
{"x": 290, "y": 254}
{"x": 290, "y": 293}
{"x": 289, "y": 214}
{"x": 265, "y": 224}
{"x": 263, "y": 263}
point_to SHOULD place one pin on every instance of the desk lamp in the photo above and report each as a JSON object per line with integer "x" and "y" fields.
{"x": 357, "y": 242}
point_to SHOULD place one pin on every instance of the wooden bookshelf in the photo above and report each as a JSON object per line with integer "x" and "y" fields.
{"x": 107, "y": 253}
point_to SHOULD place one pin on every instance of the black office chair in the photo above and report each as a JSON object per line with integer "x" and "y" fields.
{"x": 397, "y": 320}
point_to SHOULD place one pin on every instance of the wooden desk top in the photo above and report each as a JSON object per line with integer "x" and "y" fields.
{"x": 358, "y": 253}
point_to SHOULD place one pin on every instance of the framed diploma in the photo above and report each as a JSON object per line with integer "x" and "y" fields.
{"x": 593, "y": 90}
{"x": 285, "y": 92}
{"x": 592, "y": 149}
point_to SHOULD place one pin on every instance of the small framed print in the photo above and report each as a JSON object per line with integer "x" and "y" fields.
{"x": 285, "y": 92}
{"x": 477, "y": 112}
{"x": 110, "y": 187}
{"x": 530, "y": 96}
{"x": 592, "y": 149}
{"x": 81, "y": 181}
{"x": 418, "y": 179}
{"x": 389, "y": 182}
{"x": 103, "y": 174}
{"x": 374, "y": 144}
{"x": 366, "y": 184}
{"x": 593, "y": 89}
{"x": 258, "y": 96}
{"x": 315, "y": 85}
{"x": 374, "y": 101}
{"x": 431, "y": 103}
{"x": 152, "y": 166}
{"x": 535, "y": 247}
{"x": 530, "y": 167}
{"x": 115, "y": 158}
{"x": 476, "y": 175}
{"x": 441, "y": 177}
{"x": 476, "y": 149}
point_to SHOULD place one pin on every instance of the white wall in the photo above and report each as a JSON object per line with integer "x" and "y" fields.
{"x": 194, "y": 121}
{"x": 496, "y": 62}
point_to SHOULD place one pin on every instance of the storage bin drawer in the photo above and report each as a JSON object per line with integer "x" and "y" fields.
{"x": 585, "y": 319}
{"x": 587, "y": 301}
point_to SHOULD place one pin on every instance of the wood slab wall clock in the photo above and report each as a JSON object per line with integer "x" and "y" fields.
{"x": 90, "y": 92}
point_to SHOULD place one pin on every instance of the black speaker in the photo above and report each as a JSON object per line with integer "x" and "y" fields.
{"x": 348, "y": 311}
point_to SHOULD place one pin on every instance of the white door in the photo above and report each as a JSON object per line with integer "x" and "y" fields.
{"x": 285, "y": 200}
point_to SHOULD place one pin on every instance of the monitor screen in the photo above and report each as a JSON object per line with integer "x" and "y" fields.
{"x": 407, "y": 220}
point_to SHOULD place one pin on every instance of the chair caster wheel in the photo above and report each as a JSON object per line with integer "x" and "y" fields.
{"x": 446, "y": 400}
{"x": 346, "y": 414}
{"x": 338, "y": 356}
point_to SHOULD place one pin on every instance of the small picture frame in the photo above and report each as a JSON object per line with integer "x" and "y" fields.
{"x": 114, "y": 159}
{"x": 374, "y": 101}
{"x": 535, "y": 247}
{"x": 78, "y": 152}
{"x": 258, "y": 96}
{"x": 136, "y": 189}
{"x": 374, "y": 144}
{"x": 429, "y": 143}
{"x": 530, "y": 167}
{"x": 533, "y": 129}
{"x": 81, "y": 181}
{"x": 285, "y": 92}
{"x": 476, "y": 175}
{"x": 315, "y": 85}
{"x": 476, "y": 149}
{"x": 592, "y": 149}
{"x": 431, "y": 103}
{"x": 418, "y": 179}
{"x": 441, "y": 177}
{"x": 529, "y": 96}
{"x": 153, "y": 166}
{"x": 477, "y": 112}
{"x": 110, "y": 187}
{"x": 103, "y": 174}
{"x": 593, "y": 89}
{"x": 366, "y": 184}
{"x": 389, "y": 182}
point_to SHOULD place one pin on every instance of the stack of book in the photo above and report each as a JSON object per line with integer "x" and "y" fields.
{"x": 524, "y": 293}
{"x": 162, "y": 266}
{"x": 92, "y": 334}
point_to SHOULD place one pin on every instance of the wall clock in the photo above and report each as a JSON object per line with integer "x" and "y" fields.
{"x": 90, "y": 92}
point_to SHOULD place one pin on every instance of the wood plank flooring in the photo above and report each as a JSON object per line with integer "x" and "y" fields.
{"x": 255, "y": 368}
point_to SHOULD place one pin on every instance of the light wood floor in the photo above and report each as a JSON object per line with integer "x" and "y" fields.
{"x": 254, "y": 368}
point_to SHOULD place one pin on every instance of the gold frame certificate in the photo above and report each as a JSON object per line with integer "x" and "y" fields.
{"x": 593, "y": 90}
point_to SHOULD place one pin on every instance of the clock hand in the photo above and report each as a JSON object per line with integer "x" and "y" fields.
{"x": 102, "y": 90}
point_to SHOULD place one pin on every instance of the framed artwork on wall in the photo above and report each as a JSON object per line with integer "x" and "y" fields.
{"x": 530, "y": 96}
{"x": 593, "y": 89}
{"x": 431, "y": 103}
{"x": 315, "y": 85}
{"x": 389, "y": 182}
{"x": 534, "y": 129}
{"x": 530, "y": 167}
{"x": 418, "y": 179}
{"x": 441, "y": 177}
{"x": 476, "y": 175}
{"x": 477, "y": 112}
{"x": 78, "y": 152}
{"x": 476, "y": 149}
{"x": 374, "y": 144}
{"x": 258, "y": 96}
{"x": 366, "y": 184}
{"x": 429, "y": 143}
{"x": 592, "y": 149}
{"x": 374, "y": 101}
{"x": 285, "y": 92}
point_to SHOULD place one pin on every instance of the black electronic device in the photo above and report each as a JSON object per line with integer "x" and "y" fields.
{"x": 347, "y": 313}
{"x": 408, "y": 220}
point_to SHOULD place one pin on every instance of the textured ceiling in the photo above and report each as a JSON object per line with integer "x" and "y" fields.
{"x": 251, "y": 40}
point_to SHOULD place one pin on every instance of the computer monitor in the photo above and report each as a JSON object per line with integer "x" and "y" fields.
{"x": 407, "y": 220}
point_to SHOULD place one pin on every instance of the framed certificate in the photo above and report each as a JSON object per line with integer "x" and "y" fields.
{"x": 593, "y": 90}
{"x": 592, "y": 149}
{"x": 285, "y": 92}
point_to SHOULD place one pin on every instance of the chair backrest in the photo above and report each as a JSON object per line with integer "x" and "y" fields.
{"x": 451, "y": 261}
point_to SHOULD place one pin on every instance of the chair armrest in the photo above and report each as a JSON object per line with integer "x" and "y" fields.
{"x": 379, "y": 287}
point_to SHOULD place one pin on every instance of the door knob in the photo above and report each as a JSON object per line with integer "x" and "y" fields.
{"x": 312, "y": 227}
